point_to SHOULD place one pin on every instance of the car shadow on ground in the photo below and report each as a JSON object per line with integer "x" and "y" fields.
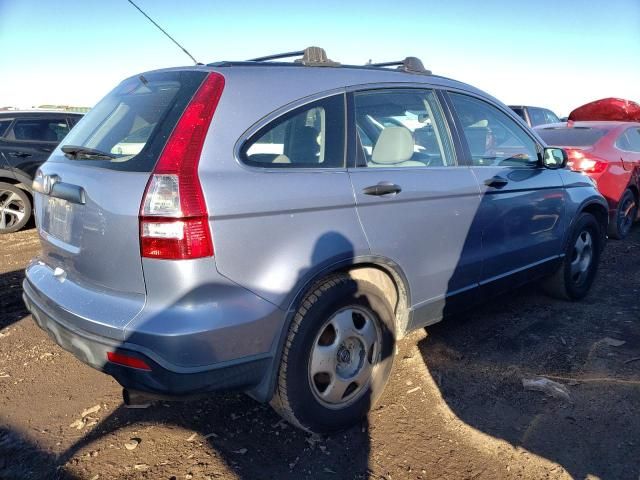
{"x": 20, "y": 459}
{"x": 250, "y": 438}
{"x": 479, "y": 360}
{"x": 11, "y": 304}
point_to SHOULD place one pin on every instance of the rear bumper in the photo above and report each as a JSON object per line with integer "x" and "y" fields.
{"x": 92, "y": 350}
{"x": 216, "y": 337}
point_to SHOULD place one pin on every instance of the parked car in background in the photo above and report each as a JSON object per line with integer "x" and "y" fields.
{"x": 27, "y": 138}
{"x": 535, "y": 116}
{"x": 247, "y": 239}
{"x": 609, "y": 152}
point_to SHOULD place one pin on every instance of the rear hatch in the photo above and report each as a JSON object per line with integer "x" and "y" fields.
{"x": 90, "y": 190}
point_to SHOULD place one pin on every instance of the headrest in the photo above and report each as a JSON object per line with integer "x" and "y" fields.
{"x": 394, "y": 145}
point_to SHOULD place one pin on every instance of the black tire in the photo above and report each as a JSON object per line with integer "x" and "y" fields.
{"x": 297, "y": 393}
{"x": 565, "y": 283}
{"x": 626, "y": 214}
{"x": 15, "y": 208}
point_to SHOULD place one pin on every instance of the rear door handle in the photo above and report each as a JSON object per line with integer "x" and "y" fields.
{"x": 496, "y": 182}
{"x": 20, "y": 154}
{"x": 382, "y": 188}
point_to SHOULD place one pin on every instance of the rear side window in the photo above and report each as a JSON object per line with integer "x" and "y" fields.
{"x": 629, "y": 140}
{"x": 134, "y": 121}
{"x": 520, "y": 112}
{"x": 311, "y": 136}
{"x": 39, "y": 130}
{"x": 4, "y": 124}
{"x": 571, "y": 136}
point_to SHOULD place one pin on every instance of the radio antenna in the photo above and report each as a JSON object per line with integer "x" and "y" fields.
{"x": 164, "y": 31}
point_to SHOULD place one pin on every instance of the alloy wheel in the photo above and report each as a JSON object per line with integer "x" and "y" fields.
{"x": 581, "y": 257}
{"x": 12, "y": 209}
{"x": 626, "y": 215}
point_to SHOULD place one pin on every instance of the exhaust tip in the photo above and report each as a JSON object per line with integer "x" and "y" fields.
{"x": 134, "y": 399}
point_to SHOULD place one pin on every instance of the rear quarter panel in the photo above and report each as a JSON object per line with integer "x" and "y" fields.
{"x": 273, "y": 230}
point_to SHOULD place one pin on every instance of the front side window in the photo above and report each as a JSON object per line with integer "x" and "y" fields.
{"x": 550, "y": 117}
{"x": 629, "y": 140}
{"x": 311, "y": 136}
{"x": 402, "y": 128}
{"x": 492, "y": 136}
{"x": 39, "y": 130}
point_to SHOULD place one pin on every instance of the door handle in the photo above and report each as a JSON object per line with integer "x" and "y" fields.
{"x": 382, "y": 188}
{"x": 496, "y": 182}
{"x": 20, "y": 154}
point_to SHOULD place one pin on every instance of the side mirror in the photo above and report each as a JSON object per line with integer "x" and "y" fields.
{"x": 554, "y": 158}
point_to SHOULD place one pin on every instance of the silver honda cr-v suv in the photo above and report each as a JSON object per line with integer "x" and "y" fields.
{"x": 275, "y": 227}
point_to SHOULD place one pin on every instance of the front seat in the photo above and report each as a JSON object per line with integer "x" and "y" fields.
{"x": 394, "y": 148}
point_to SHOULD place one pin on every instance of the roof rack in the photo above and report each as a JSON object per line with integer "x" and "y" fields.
{"x": 311, "y": 56}
{"x": 409, "y": 65}
{"x": 317, "y": 57}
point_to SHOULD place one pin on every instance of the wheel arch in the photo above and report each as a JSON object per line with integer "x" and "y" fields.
{"x": 380, "y": 271}
{"x": 600, "y": 212}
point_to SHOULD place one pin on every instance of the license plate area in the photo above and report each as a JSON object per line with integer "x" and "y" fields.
{"x": 58, "y": 219}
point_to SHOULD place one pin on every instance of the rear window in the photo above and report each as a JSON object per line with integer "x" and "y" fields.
{"x": 134, "y": 120}
{"x": 572, "y": 136}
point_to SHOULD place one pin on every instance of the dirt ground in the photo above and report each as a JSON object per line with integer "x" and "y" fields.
{"x": 455, "y": 406}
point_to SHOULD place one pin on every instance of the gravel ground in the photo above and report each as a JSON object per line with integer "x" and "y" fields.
{"x": 455, "y": 406}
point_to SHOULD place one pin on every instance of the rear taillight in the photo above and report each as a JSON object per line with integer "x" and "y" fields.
{"x": 174, "y": 223}
{"x": 580, "y": 161}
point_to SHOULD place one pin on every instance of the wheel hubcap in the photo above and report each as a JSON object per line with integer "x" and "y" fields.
{"x": 11, "y": 209}
{"x": 344, "y": 356}
{"x": 581, "y": 257}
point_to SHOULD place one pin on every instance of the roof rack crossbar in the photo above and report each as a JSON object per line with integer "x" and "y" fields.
{"x": 409, "y": 65}
{"x": 275, "y": 56}
{"x": 386, "y": 64}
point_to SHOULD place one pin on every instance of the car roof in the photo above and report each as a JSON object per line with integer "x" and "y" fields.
{"x": 304, "y": 81}
{"x": 21, "y": 113}
{"x": 601, "y": 124}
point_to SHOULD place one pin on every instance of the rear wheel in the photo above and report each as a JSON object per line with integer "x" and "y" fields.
{"x": 574, "y": 277}
{"x": 15, "y": 208}
{"x": 337, "y": 357}
{"x": 626, "y": 214}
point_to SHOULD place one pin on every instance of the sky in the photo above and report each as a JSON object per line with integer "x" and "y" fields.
{"x": 552, "y": 53}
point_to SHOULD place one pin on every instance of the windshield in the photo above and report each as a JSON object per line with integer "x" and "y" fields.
{"x": 572, "y": 136}
{"x": 130, "y": 125}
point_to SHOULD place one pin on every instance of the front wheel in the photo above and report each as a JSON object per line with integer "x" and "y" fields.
{"x": 574, "y": 277}
{"x": 337, "y": 357}
{"x": 625, "y": 215}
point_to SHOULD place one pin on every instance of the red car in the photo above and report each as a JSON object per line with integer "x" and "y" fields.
{"x": 609, "y": 152}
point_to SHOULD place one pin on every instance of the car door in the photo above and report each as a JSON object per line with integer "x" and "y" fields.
{"x": 522, "y": 207}
{"x": 417, "y": 206}
{"x": 29, "y": 142}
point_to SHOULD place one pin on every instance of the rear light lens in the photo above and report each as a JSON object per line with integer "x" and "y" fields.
{"x": 128, "y": 361}
{"x": 174, "y": 222}
{"x": 582, "y": 162}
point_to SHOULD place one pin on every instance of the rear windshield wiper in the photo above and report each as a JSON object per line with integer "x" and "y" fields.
{"x": 74, "y": 152}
